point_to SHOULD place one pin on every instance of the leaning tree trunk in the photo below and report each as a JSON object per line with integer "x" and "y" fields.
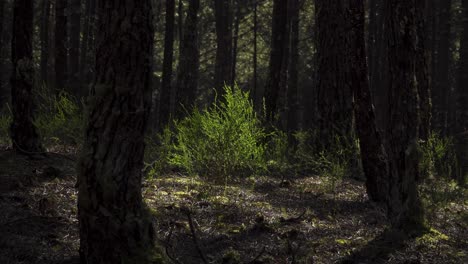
{"x": 166, "y": 87}
{"x": 61, "y": 69}
{"x": 75, "y": 33}
{"x": 462, "y": 111}
{"x": 404, "y": 206}
{"x": 374, "y": 157}
{"x": 189, "y": 61}
{"x": 114, "y": 225}
{"x": 23, "y": 132}
{"x": 223, "y": 65}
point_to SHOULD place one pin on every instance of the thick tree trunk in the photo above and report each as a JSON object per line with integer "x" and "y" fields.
{"x": 404, "y": 206}
{"x": 293, "y": 100}
{"x": 75, "y": 33}
{"x": 23, "y": 132}
{"x": 462, "y": 90}
{"x": 44, "y": 39}
{"x": 61, "y": 68}
{"x": 223, "y": 65}
{"x": 165, "y": 113}
{"x": 441, "y": 87}
{"x": 188, "y": 72}
{"x": 277, "y": 67}
{"x": 114, "y": 225}
{"x": 335, "y": 96}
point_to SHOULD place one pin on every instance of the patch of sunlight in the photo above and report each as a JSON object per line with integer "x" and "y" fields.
{"x": 262, "y": 205}
{"x": 219, "y": 199}
{"x": 434, "y": 236}
{"x": 343, "y": 241}
{"x": 182, "y": 181}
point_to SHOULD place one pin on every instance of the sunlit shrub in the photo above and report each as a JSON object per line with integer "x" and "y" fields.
{"x": 438, "y": 157}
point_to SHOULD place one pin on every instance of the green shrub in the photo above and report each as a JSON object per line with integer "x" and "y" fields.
{"x": 438, "y": 157}
{"x": 224, "y": 140}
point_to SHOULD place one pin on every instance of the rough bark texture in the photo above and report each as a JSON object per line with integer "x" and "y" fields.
{"x": 189, "y": 61}
{"x": 462, "y": 111}
{"x": 61, "y": 69}
{"x": 223, "y": 65}
{"x": 23, "y": 133}
{"x": 442, "y": 68}
{"x": 75, "y": 33}
{"x": 423, "y": 62}
{"x": 114, "y": 225}
{"x": 404, "y": 206}
{"x": 279, "y": 43}
{"x": 166, "y": 80}
{"x": 374, "y": 157}
{"x": 335, "y": 96}
{"x": 44, "y": 39}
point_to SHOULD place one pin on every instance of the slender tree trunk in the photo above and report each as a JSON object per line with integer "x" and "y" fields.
{"x": 75, "y": 33}
{"x": 2, "y": 69}
{"x": 293, "y": 100}
{"x": 374, "y": 157}
{"x": 114, "y": 224}
{"x": 255, "y": 92}
{"x": 44, "y": 39}
{"x": 61, "y": 68}
{"x": 23, "y": 132}
{"x": 166, "y": 87}
{"x": 404, "y": 206}
{"x": 335, "y": 96}
{"x": 87, "y": 49}
{"x": 277, "y": 58}
{"x": 223, "y": 65}
{"x": 188, "y": 72}
{"x": 462, "y": 91}
{"x": 235, "y": 40}
{"x": 442, "y": 68}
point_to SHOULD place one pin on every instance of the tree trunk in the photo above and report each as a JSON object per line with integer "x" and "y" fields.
{"x": 223, "y": 65}
{"x": 165, "y": 113}
{"x": 335, "y": 96}
{"x": 114, "y": 225}
{"x": 404, "y": 206}
{"x": 2, "y": 70}
{"x": 44, "y": 39}
{"x": 255, "y": 92}
{"x": 23, "y": 132}
{"x": 374, "y": 157}
{"x": 293, "y": 100}
{"x": 462, "y": 111}
{"x": 61, "y": 69}
{"x": 75, "y": 33}
{"x": 279, "y": 43}
{"x": 87, "y": 42}
{"x": 237, "y": 19}
{"x": 442, "y": 68}
{"x": 188, "y": 72}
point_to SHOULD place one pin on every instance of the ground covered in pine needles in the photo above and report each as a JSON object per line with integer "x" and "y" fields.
{"x": 254, "y": 220}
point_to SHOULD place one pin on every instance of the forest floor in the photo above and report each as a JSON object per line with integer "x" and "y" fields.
{"x": 254, "y": 220}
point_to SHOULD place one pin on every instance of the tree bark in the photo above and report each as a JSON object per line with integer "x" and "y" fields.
{"x": 223, "y": 64}
{"x": 188, "y": 72}
{"x": 165, "y": 113}
{"x": 404, "y": 206}
{"x": 86, "y": 49}
{"x": 23, "y": 132}
{"x": 61, "y": 55}
{"x": 114, "y": 225}
{"x": 44, "y": 39}
{"x": 293, "y": 75}
{"x": 277, "y": 65}
{"x": 75, "y": 33}
{"x": 462, "y": 90}
{"x": 255, "y": 90}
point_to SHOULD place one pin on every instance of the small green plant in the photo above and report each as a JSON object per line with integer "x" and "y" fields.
{"x": 158, "y": 150}
{"x": 438, "y": 157}
{"x": 224, "y": 140}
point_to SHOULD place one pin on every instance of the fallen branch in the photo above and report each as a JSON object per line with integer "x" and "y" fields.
{"x": 168, "y": 240}
{"x": 194, "y": 235}
{"x": 293, "y": 219}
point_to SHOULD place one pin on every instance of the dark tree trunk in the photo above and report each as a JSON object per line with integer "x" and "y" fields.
{"x": 255, "y": 90}
{"x": 165, "y": 113}
{"x": 87, "y": 49}
{"x": 462, "y": 90}
{"x": 404, "y": 206}
{"x": 235, "y": 41}
{"x": 293, "y": 100}
{"x": 23, "y": 132}
{"x": 44, "y": 39}
{"x": 188, "y": 72}
{"x": 442, "y": 68}
{"x": 61, "y": 69}
{"x": 277, "y": 68}
{"x": 75, "y": 33}
{"x": 335, "y": 95}
{"x": 223, "y": 65}
{"x": 423, "y": 62}
{"x": 2, "y": 70}
{"x": 114, "y": 225}
{"x": 374, "y": 157}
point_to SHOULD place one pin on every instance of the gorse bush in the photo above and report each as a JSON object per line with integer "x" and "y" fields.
{"x": 224, "y": 140}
